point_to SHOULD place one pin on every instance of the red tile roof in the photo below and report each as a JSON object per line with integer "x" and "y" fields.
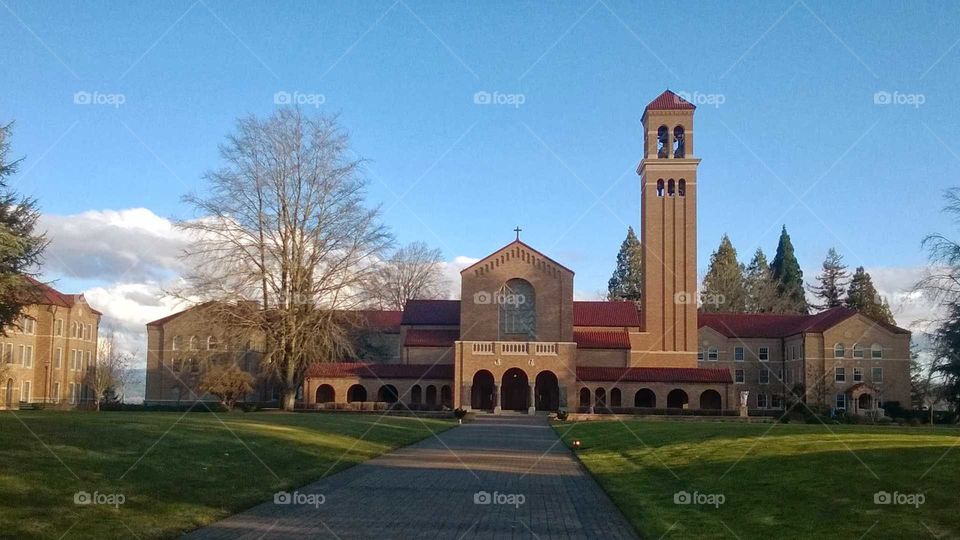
{"x": 41, "y": 293}
{"x": 641, "y": 374}
{"x": 605, "y": 314}
{"x": 766, "y": 325}
{"x": 601, "y": 340}
{"x": 387, "y": 321}
{"x": 342, "y": 370}
{"x": 669, "y": 101}
{"x": 432, "y": 312}
{"x": 431, "y": 338}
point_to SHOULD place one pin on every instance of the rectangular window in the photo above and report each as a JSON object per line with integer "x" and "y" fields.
{"x": 73, "y": 393}
{"x": 89, "y": 332}
{"x": 857, "y": 374}
{"x": 839, "y": 374}
{"x": 777, "y": 401}
{"x": 738, "y": 376}
{"x": 841, "y": 401}
{"x": 700, "y": 354}
{"x": 764, "y": 376}
{"x": 738, "y": 354}
{"x": 25, "y": 392}
{"x": 58, "y": 327}
{"x": 57, "y": 358}
{"x": 764, "y": 354}
{"x": 8, "y": 353}
{"x": 878, "y": 374}
{"x": 89, "y": 361}
{"x": 761, "y": 401}
{"x": 713, "y": 354}
{"x": 876, "y": 352}
{"x": 20, "y": 354}
{"x": 28, "y": 356}
{"x": 31, "y": 326}
{"x": 56, "y": 392}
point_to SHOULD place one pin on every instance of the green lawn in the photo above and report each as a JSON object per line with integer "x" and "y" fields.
{"x": 175, "y": 471}
{"x": 777, "y": 480}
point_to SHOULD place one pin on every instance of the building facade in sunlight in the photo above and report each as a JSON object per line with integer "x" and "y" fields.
{"x": 51, "y": 351}
{"x": 518, "y": 341}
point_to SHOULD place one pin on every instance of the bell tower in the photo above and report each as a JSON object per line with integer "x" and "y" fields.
{"x": 668, "y": 206}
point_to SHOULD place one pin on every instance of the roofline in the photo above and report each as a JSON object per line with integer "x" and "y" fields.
{"x": 524, "y": 244}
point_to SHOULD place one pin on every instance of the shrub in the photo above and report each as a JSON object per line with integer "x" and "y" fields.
{"x": 885, "y": 420}
{"x": 900, "y": 421}
{"x": 914, "y": 421}
{"x": 562, "y": 415}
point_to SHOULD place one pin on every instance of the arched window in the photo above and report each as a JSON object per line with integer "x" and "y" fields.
{"x": 212, "y": 343}
{"x": 416, "y": 395}
{"x": 679, "y": 142}
{"x": 682, "y": 188}
{"x": 616, "y": 399}
{"x": 177, "y": 345}
{"x": 584, "y": 397}
{"x": 857, "y": 350}
{"x": 663, "y": 142}
{"x": 194, "y": 343}
{"x": 518, "y": 310}
{"x": 876, "y": 351}
{"x": 446, "y": 396}
{"x": 838, "y": 351}
{"x": 660, "y": 187}
{"x": 431, "y": 395}
{"x": 671, "y": 188}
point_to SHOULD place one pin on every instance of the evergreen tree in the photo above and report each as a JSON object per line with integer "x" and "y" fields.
{"x": 863, "y": 297}
{"x": 627, "y": 280}
{"x": 761, "y": 289}
{"x": 947, "y": 348}
{"x": 833, "y": 280}
{"x": 789, "y": 277}
{"x": 20, "y": 246}
{"x": 723, "y": 287}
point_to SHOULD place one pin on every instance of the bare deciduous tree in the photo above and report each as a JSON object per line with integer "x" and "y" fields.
{"x": 283, "y": 223}
{"x": 412, "y": 272}
{"x": 111, "y": 369}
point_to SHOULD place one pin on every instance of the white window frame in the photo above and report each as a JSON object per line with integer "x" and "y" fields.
{"x": 713, "y": 354}
{"x": 876, "y": 351}
{"x": 762, "y": 402}
{"x": 26, "y": 391}
{"x": 857, "y": 350}
{"x": 763, "y": 353}
{"x": 873, "y": 374}
{"x": 28, "y": 357}
{"x": 739, "y": 377}
{"x": 56, "y": 392}
{"x": 58, "y": 358}
{"x": 58, "y": 328}
{"x": 760, "y": 376}
{"x": 88, "y": 360}
{"x": 839, "y": 374}
{"x": 857, "y": 374}
{"x": 739, "y": 354}
{"x": 840, "y": 402}
{"x": 21, "y": 351}
{"x": 216, "y": 343}
{"x": 839, "y": 350}
{"x": 700, "y": 354}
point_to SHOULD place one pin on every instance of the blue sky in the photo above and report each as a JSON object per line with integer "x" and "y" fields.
{"x": 797, "y": 140}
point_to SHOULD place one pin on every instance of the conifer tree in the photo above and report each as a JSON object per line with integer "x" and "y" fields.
{"x": 863, "y": 297}
{"x": 627, "y": 280}
{"x": 832, "y": 281}
{"x": 761, "y": 289}
{"x": 723, "y": 287}
{"x": 789, "y": 277}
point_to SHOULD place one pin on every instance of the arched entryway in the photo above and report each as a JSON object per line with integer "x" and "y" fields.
{"x": 676, "y": 399}
{"x": 388, "y": 394}
{"x": 416, "y": 395}
{"x": 645, "y": 398}
{"x": 616, "y": 399}
{"x": 547, "y": 391}
{"x": 515, "y": 388}
{"x": 710, "y": 399}
{"x": 356, "y": 393}
{"x": 431, "y": 395}
{"x": 584, "y": 397}
{"x": 483, "y": 390}
{"x": 865, "y": 402}
{"x": 326, "y": 394}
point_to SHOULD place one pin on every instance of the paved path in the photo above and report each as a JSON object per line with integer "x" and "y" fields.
{"x": 428, "y": 490}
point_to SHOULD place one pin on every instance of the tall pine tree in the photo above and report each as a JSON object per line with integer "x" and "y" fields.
{"x": 627, "y": 280}
{"x": 723, "y": 288}
{"x": 761, "y": 289}
{"x": 831, "y": 282}
{"x": 863, "y": 297}
{"x": 789, "y": 277}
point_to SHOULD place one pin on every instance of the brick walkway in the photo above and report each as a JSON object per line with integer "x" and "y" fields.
{"x": 427, "y": 490}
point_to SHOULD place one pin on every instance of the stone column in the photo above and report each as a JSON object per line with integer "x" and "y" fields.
{"x": 466, "y": 397}
{"x": 532, "y": 404}
{"x": 496, "y": 398}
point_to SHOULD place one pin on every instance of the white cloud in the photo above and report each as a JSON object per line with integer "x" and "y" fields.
{"x": 451, "y": 272}
{"x": 910, "y": 308}
{"x": 132, "y": 245}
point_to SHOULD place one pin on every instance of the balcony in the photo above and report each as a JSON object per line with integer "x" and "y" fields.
{"x": 514, "y": 348}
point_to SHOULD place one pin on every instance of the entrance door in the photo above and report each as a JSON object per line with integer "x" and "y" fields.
{"x": 482, "y": 393}
{"x": 547, "y": 392}
{"x": 516, "y": 390}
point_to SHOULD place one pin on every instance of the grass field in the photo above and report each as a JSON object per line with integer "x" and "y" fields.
{"x": 776, "y": 480}
{"x": 175, "y": 471}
